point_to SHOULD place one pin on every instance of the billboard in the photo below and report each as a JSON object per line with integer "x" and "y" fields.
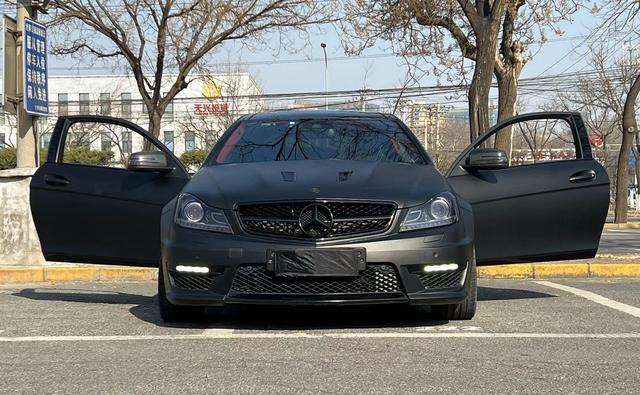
{"x": 36, "y": 76}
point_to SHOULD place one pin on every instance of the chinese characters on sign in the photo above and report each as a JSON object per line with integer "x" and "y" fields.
{"x": 211, "y": 108}
{"x": 36, "y": 86}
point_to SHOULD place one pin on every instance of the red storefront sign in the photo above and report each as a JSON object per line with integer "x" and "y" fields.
{"x": 211, "y": 108}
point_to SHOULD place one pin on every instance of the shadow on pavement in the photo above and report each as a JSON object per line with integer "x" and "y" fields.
{"x": 276, "y": 317}
{"x": 488, "y": 294}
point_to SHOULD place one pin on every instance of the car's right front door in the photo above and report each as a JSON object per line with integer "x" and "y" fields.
{"x": 550, "y": 203}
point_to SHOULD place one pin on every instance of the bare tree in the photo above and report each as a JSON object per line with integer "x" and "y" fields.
{"x": 491, "y": 33}
{"x": 154, "y": 38}
{"x": 626, "y": 13}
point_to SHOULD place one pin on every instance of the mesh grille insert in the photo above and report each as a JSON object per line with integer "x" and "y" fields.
{"x": 349, "y": 218}
{"x": 442, "y": 280}
{"x": 375, "y": 279}
{"x": 192, "y": 281}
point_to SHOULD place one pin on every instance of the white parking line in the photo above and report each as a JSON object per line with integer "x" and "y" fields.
{"x": 625, "y": 308}
{"x": 294, "y": 335}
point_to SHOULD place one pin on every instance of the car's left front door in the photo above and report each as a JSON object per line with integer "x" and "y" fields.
{"x": 89, "y": 207}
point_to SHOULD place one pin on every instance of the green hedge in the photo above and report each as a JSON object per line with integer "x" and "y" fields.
{"x": 7, "y": 158}
{"x": 195, "y": 158}
{"x": 87, "y": 156}
{"x": 73, "y": 155}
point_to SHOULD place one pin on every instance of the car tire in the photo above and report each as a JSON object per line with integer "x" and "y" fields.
{"x": 170, "y": 312}
{"x": 465, "y": 310}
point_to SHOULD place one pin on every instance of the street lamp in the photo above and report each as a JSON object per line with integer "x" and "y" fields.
{"x": 326, "y": 77}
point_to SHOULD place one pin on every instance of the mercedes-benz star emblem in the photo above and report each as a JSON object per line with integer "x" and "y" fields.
{"x": 316, "y": 220}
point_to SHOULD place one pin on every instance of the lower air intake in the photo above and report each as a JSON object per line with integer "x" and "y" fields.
{"x": 192, "y": 281}
{"x": 442, "y": 280}
{"x": 375, "y": 279}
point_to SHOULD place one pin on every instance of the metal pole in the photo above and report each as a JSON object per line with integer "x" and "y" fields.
{"x": 26, "y": 139}
{"x": 326, "y": 77}
{"x": 437, "y": 126}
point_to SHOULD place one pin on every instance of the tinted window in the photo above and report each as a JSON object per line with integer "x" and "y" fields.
{"x": 376, "y": 140}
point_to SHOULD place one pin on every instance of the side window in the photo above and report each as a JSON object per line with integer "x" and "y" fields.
{"x": 535, "y": 141}
{"x": 102, "y": 144}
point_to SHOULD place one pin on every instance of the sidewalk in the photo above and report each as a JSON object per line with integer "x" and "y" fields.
{"x": 603, "y": 267}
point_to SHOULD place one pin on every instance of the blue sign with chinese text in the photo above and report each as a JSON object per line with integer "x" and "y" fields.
{"x": 36, "y": 84}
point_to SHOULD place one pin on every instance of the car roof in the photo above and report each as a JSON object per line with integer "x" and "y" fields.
{"x": 310, "y": 114}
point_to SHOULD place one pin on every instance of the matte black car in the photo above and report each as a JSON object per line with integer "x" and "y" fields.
{"x": 320, "y": 208}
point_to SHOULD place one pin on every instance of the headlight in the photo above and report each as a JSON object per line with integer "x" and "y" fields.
{"x": 192, "y": 213}
{"x": 439, "y": 211}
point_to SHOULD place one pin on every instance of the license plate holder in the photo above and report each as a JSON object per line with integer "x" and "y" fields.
{"x": 317, "y": 262}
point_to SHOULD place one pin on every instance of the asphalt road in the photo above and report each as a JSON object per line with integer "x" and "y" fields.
{"x": 528, "y": 336}
{"x": 620, "y": 242}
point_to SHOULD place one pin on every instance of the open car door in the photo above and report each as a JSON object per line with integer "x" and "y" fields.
{"x": 95, "y": 201}
{"x": 545, "y": 200}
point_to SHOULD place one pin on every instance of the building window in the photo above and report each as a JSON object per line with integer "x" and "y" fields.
{"x": 105, "y": 104}
{"x": 168, "y": 112}
{"x": 189, "y": 141}
{"x": 3, "y": 119}
{"x": 105, "y": 141}
{"x": 63, "y": 104}
{"x": 125, "y": 102}
{"x": 84, "y": 103}
{"x": 168, "y": 139}
{"x": 126, "y": 142}
{"x": 3, "y": 142}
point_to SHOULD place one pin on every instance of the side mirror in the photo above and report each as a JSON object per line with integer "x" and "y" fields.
{"x": 151, "y": 161}
{"x": 486, "y": 159}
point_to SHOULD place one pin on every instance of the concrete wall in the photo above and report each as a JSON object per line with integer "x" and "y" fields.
{"x": 19, "y": 244}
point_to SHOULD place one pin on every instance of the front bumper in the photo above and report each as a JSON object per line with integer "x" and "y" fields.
{"x": 405, "y": 254}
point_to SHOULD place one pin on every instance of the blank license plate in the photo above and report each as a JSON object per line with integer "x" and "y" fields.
{"x": 318, "y": 262}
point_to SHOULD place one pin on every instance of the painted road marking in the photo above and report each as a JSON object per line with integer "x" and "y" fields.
{"x": 625, "y": 308}
{"x": 295, "y": 335}
{"x": 448, "y": 328}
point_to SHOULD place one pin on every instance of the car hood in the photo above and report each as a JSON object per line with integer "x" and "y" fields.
{"x": 408, "y": 185}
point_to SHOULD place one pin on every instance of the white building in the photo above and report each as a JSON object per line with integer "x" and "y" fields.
{"x": 194, "y": 120}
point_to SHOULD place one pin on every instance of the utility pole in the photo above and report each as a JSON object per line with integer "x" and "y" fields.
{"x": 27, "y": 139}
{"x": 326, "y": 76}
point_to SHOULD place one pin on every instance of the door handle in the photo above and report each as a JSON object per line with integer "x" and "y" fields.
{"x": 583, "y": 176}
{"x": 55, "y": 180}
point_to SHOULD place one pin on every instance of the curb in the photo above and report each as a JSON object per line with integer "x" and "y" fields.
{"x": 18, "y": 275}
{"x": 634, "y": 225}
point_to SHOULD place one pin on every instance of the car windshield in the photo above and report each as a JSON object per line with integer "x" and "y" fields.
{"x": 358, "y": 139}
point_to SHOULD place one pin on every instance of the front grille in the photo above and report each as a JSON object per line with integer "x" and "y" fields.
{"x": 192, "y": 281}
{"x": 442, "y": 280}
{"x": 256, "y": 280}
{"x": 348, "y": 219}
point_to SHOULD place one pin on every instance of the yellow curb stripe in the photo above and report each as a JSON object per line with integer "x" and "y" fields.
{"x": 614, "y": 270}
{"x": 547, "y": 270}
{"x": 61, "y": 274}
{"x": 634, "y": 225}
{"x": 128, "y": 274}
{"x": 14, "y": 275}
{"x": 507, "y": 271}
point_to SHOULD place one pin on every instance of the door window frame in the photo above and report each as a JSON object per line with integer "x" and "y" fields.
{"x": 59, "y": 137}
{"x": 573, "y": 119}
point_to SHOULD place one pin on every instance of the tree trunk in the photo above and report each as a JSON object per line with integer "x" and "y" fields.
{"x": 629, "y": 128}
{"x": 507, "y": 99}
{"x": 155, "y": 123}
{"x": 481, "y": 84}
